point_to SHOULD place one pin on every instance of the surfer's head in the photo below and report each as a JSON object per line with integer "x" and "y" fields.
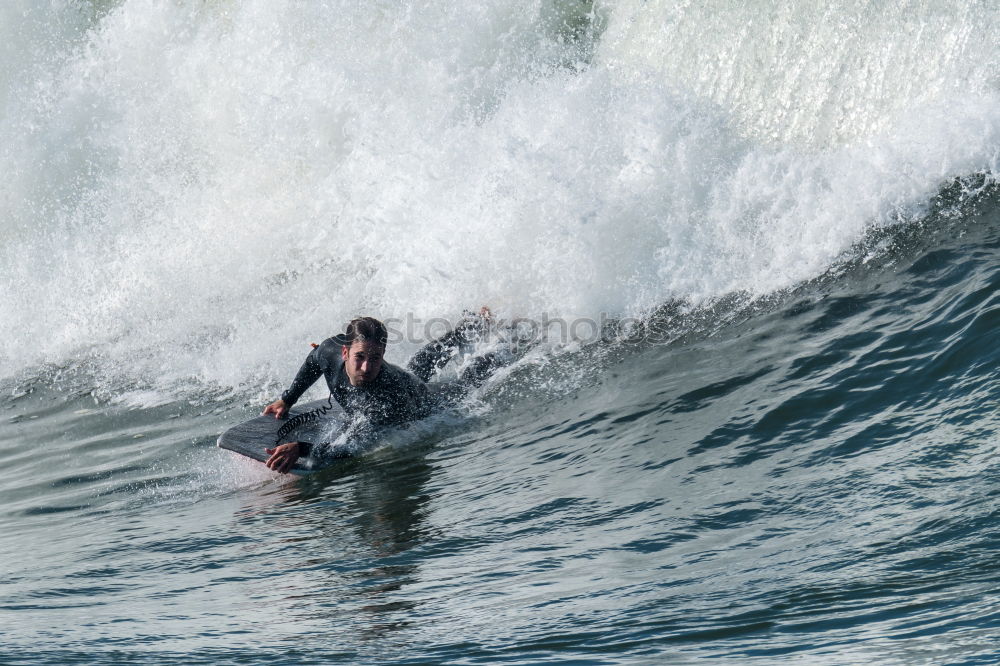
{"x": 363, "y": 348}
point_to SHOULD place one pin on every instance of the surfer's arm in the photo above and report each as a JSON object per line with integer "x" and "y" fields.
{"x": 307, "y": 375}
{"x": 435, "y": 355}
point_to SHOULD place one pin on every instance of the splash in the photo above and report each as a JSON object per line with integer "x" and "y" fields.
{"x": 198, "y": 190}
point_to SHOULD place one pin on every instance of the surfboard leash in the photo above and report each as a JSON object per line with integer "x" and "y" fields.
{"x": 302, "y": 419}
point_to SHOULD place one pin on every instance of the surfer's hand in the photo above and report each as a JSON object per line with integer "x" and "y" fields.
{"x": 277, "y": 408}
{"x": 282, "y": 457}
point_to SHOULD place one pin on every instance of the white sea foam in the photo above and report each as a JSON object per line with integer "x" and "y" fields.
{"x": 195, "y": 191}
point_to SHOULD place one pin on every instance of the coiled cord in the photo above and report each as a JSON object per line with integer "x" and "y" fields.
{"x": 302, "y": 419}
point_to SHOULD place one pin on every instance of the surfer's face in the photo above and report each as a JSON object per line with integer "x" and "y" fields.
{"x": 362, "y": 361}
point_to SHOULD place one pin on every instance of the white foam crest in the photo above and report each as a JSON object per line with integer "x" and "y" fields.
{"x": 810, "y": 73}
{"x": 35, "y": 35}
{"x": 205, "y": 188}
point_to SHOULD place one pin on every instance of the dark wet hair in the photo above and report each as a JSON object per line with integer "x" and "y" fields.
{"x": 365, "y": 329}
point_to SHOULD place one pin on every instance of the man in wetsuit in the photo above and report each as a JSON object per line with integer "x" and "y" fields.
{"x": 365, "y": 385}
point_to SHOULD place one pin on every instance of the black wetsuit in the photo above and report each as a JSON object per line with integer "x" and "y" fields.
{"x": 396, "y": 395}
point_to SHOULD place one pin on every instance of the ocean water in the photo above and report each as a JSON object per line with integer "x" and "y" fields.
{"x": 764, "y": 240}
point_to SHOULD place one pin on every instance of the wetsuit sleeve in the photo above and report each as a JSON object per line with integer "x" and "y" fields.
{"x": 310, "y": 371}
{"x": 435, "y": 355}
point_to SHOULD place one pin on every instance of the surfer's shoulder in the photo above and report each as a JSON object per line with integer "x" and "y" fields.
{"x": 331, "y": 344}
{"x": 328, "y": 354}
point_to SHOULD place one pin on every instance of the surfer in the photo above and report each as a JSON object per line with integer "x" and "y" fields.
{"x": 366, "y": 385}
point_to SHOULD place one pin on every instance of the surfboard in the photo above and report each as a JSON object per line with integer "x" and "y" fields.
{"x": 250, "y": 438}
